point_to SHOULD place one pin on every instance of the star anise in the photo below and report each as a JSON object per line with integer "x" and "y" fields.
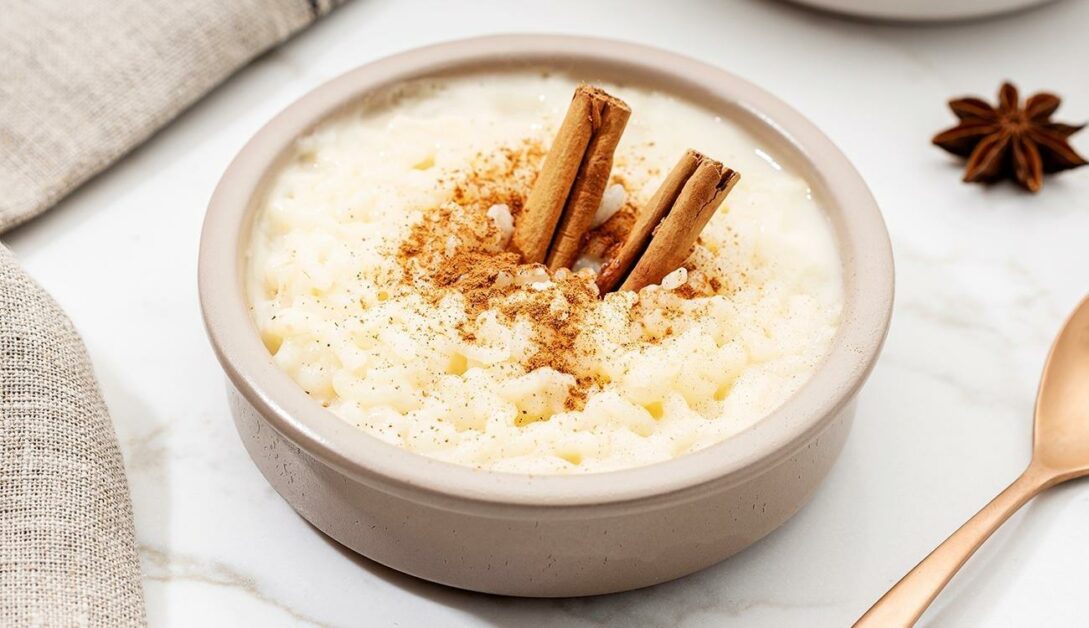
{"x": 1011, "y": 142}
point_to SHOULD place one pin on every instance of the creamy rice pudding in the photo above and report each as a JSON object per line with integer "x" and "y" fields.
{"x": 383, "y": 280}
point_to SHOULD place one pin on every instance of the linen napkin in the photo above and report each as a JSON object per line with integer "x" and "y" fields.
{"x": 67, "y": 549}
{"x": 81, "y": 83}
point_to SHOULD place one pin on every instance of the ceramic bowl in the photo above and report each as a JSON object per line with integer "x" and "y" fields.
{"x": 533, "y": 535}
{"x": 922, "y": 10}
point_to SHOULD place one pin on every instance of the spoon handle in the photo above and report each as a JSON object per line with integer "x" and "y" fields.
{"x": 905, "y": 602}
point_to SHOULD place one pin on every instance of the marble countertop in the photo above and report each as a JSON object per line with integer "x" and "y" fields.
{"x": 985, "y": 278}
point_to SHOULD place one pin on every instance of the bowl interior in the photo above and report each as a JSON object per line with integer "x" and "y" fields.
{"x": 859, "y": 231}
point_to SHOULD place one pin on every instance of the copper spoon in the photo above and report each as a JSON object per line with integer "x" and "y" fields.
{"x": 1060, "y": 452}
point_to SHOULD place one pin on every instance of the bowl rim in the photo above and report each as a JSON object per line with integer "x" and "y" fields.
{"x": 862, "y": 241}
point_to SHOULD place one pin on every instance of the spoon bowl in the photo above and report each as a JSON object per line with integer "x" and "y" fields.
{"x": 1061, "y": 439}
{"x": 1060, "y": 453}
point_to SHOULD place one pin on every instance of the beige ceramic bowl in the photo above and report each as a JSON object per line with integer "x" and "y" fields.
{"x": 547, "y": 535}
{"x": 922, "y": 10}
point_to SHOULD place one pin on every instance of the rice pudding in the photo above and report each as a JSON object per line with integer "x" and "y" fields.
{"x": 382, "y": 279}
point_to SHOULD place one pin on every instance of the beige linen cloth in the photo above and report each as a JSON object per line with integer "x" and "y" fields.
{"x": 81, "y": 83}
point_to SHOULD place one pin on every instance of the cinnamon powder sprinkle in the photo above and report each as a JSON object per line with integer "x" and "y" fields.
{"x": 457, "y": 248}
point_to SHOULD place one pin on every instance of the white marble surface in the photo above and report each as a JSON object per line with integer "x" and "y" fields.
{"x": 985, "y": 277}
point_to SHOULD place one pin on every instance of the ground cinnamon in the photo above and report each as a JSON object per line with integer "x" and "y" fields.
{"x": 489, "y": 278}
{"x": 457, "y": 248}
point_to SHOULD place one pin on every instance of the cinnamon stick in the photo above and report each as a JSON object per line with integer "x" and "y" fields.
{"x": 589, "y": 186}
{"x": 665, "y": 231}
{"x": 572, "y": 181}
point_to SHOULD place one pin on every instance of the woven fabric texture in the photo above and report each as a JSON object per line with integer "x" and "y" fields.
{"x": 67, "y": 550}
{"x": 82, "y": 82}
